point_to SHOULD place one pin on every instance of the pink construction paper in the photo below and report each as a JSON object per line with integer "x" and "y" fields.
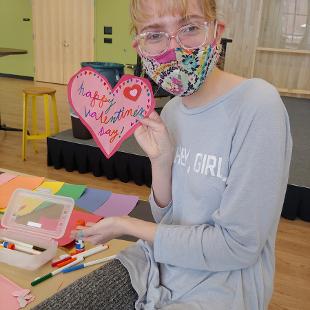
{"x": 75, "y": 216}
{"x": 7, "y": 288}
{"x": 118, "y": 205}
{"x": 48, "y": 224}
{"x": 6, "y": 177}
{"x": 111, "y": 115}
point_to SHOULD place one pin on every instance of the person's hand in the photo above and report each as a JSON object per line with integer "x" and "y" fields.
{"x": 99, "y": 233}
{"x": 154, "y": 139}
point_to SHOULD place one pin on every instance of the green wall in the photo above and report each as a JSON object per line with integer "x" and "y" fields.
{"x": 113, "y": 13}
{"x": 16, "y": 33}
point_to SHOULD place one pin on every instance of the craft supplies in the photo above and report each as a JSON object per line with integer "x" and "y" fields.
{"x": 61, "y": 260}
{"x": 34, "y": 230}
{"x": 8, "y": 245}
{"x": 66, "y": 262}
{"x": 27, "y": 245}
{"x": 91, "y": 263}
{"x": 13, "y": 296}
{"x": 79, "y": 243}
{"x": 55, "y": 272}
{"x": 17, "y": 247}
{"x": 95, "y": 250}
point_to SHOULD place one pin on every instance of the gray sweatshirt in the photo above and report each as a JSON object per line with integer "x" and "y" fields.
{"x": 214, "y": 247}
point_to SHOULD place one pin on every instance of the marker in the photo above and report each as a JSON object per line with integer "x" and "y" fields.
{"x": 8, "y": 245}
{"x": 55, "y": 272}
{"x": 24, "y": 244}
{"x": 13, "y": 246}
{"x": 94, "y": 262}
{"x": 66, "y": 262}
{"x": 97, "y": 249}
{"x": 55, "y": 263}
{"x": 92, "y": 251}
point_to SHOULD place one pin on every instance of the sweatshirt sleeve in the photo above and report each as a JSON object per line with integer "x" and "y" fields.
{"x": 251, "y": 202}
{"x": 158, "y": 212}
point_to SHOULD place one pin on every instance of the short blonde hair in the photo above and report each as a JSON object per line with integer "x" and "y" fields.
{"x": 138, "y": 16}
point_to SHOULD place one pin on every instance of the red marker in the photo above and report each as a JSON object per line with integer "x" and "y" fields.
{"x": 54, "y": 264}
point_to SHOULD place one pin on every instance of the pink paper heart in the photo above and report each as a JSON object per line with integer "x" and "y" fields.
{"x": 110, "y": 115}
{"x": 22, "y": 292}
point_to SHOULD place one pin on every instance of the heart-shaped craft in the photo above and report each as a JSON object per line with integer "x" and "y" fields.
{"x": 111, "y": 115}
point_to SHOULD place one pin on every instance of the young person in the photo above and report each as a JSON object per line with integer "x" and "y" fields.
{"x": 220, "y": 154}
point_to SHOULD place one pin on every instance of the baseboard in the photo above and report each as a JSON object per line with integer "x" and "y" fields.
{"x": 14, "y": 76}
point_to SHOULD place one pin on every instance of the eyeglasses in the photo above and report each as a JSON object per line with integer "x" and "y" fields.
{"x": 156, "y": 43}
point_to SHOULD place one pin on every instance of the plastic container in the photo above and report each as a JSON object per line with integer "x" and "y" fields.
{"x": 36, "y": 219}
{"x": 112, "y": 71}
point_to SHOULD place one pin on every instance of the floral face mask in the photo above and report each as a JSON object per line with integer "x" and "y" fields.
{"x": 182, "y": 71}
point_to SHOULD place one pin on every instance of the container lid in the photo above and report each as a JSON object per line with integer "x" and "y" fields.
{"x": 38, "y": 213}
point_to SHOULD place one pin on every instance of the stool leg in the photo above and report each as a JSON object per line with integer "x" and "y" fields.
{"x": 34, "y": 122}
{"x": 25, "y": 125}
{"x": 54, "y": 107}
{"x": 47, "y": 116}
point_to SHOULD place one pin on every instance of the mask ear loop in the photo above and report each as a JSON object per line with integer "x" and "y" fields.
{"x": 215, "y": 33}
{"x": 215, "y": 29}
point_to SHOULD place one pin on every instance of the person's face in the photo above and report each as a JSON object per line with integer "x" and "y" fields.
{"x": 171, "y": 23}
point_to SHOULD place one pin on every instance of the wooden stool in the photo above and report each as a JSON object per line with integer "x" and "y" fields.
{"x": 35, "y": 92}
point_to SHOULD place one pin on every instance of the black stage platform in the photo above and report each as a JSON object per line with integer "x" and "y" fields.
{"x": 128, "y": 164}
{"x": 131, "y": 164}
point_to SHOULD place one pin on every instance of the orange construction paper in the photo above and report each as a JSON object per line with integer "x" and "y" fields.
{"x": 25, "y": 182}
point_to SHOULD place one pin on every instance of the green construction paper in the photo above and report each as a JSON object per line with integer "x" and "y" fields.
{"x": 72, "y": 190}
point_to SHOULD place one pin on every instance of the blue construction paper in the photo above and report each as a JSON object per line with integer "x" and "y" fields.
{"x": 92, "y": 199}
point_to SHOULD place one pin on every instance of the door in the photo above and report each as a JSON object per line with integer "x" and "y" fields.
{"x": 63, "y": 34}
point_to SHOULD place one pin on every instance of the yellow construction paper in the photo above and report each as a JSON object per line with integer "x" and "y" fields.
{"x": 53, "y": 186}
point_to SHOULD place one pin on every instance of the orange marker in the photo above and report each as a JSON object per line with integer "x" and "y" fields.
{"x": 66, "y": 262}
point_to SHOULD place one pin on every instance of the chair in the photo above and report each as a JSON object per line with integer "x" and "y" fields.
{"x": 34, "y": 92}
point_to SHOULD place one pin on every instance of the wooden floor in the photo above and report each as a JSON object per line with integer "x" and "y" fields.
{"x": 292, "y": 283}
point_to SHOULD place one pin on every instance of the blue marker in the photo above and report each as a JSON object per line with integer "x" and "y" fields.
{"x": 94, "y": 262}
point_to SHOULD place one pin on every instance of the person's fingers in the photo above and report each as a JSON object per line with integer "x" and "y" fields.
{"x": 153, "y": 124}
{"x": 95, "y": 239}
{"x": 154, "y": 115}
{"x": 140, "y": 130}
{"x": 92, "y": 230}
{"x": 73, "y": 233}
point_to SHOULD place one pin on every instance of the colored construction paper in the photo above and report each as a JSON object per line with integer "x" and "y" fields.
{"x": 13, "y": 296}
{"x": 48, "y": 223}
{"x": 25, "y": 182}
{"x": 6, "y": 177}
{"x": 92, "y": 199}
{"x": 75, "y": 216}
{"x": 53, "y": 187}
{"x": 118, "y": 205}
{"x": 29, "y": 204}
{"x": 71, "y": 190}
{"x": 110, "y": 115}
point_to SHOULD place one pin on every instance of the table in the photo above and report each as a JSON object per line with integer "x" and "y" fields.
{"x": 6, "y": 52}
{"x": 51, "y": 286}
